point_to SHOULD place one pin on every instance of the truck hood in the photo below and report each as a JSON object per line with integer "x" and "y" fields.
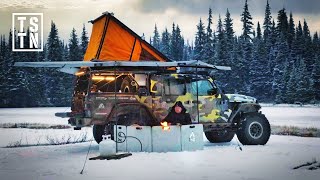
{"x": 241, "y": 98}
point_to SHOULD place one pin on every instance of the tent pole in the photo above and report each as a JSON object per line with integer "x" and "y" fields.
{"x": 197, "y": 92}
{"x": 115, "y": 104}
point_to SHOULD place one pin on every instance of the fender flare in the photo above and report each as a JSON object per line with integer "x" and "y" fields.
{"x": 243, "y": 108}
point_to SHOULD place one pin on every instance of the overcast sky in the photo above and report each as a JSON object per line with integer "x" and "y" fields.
{"x": 142, "y": 15}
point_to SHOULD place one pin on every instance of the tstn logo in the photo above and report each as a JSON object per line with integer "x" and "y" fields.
{"x": 29, "y": 31}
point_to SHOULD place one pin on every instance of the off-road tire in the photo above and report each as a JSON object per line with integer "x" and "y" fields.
{"x": 254, "y": 129}
{"x": 219, "y": 137}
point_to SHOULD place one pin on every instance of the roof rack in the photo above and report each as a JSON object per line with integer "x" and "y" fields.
{"x": 72, "y": 67}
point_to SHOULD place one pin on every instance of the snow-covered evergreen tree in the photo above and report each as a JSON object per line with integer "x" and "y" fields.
{"x": 74, "y": 49}
{"x": 267, "y": 24}
{"x": 165, "y": 43}
{"x": 221, "y": 51}
{"x": 308, "y": 53}
{"x": 229, "y": 35}
{"x": 291, "y": 31}
{"x": 208, "y": 49}
{"x": 156, "y": 38}
{"x": 246, "y": 22}
{"x": 54, "y": 81}
{"x": 282, "y": 23}
{"x": 315, "y": 80}
{"x": 84, "y": 41}
{"x": 259, "y": 73}
{"x": 199, "y": 41}
{"x": 303, "y": 84}
{"x": 291, "y": 89}
{"x": 176, "y": 44}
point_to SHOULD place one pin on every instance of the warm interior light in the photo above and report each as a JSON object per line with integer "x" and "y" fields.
{"x": 165, "y": 126}
{"x": 100, "y": 78}
{"x": 109, "y": 78}
{"x": 79, "y": 73}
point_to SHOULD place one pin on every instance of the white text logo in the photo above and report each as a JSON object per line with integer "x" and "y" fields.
{"x": 27, "y": 31}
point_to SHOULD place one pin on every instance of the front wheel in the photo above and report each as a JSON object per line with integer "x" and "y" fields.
{"x": 219, "y": 137}
{"x": 255, "y": 129}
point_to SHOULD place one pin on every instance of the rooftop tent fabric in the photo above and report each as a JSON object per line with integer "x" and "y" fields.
{"x": 111, "y": 40}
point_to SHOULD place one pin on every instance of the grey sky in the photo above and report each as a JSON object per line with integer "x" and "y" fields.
{"x": 200, "y": 6}
{"x": 141, "y": 15}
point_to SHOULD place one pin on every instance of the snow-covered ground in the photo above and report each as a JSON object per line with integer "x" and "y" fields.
{"x": 272, "y": 161}
{"x": 217, "y": 161}
{"x": 33, "y": 115}
{"x": 278, "y": 115}
{"x": 308, "y": 116}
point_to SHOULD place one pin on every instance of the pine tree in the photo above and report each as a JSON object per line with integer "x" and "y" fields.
{"x": 316, "y": 44}
{"x": 247, "y": 22}
{"x": 229, "y": 35}
{"x": 237, "y": 65}
{"x": 221, "y": 57}
{"x": 180, "y": 44}
{"x": 299, "y": 41}
{"x": 53, "y": 44}
{"x": 278, "y": 70}
{"x": 165, "y": 43}
{"x": 84, "y": 41}
{"x": 259, "y": 35}
{"x": 199, "y": 41}
{"x": 156, "y": 38}
{"x": 285, "y": 79}
{"x": 267, "y": 24}
{"x": 259, "y": 73}
{"x": 220, "y": 53}
{"x": 3, "y": 70}
{"x": 291, "y": 92}
{"x": 291, "y": 31}
{"x": 54, "y": 81}
{"x": 188, "y": 52}
{"x": 282, "y": 23}
{"x": 303, "y": 84}
{"x": 308, "y": 53}
{"x": 208, "y": 50}
{"x": 315, "y": 80}
{"x": 74, "y": 49}
{"x": 173, "y": 43}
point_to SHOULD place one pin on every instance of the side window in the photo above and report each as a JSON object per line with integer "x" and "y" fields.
{"x": 203, "y": 87}
{"x": 174, "y": 86}
{"x": 156, "y": 85}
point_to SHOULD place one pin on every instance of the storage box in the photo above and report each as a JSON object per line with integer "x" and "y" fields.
{"x": 136, "y": 134}
{"x": 166, "y": 140}
{"x": 192, "y": 137}
{"x": 155, "y": 139}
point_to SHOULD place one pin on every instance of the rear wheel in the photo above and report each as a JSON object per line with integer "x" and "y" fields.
{"x": 255, "y": 129}
{"x": 219, "y": 137}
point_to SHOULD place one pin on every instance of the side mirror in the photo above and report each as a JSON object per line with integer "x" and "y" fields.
{"x": 212, "y": 91}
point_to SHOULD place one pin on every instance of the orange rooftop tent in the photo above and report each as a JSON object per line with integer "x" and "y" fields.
{"x": 111, "y": 40}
